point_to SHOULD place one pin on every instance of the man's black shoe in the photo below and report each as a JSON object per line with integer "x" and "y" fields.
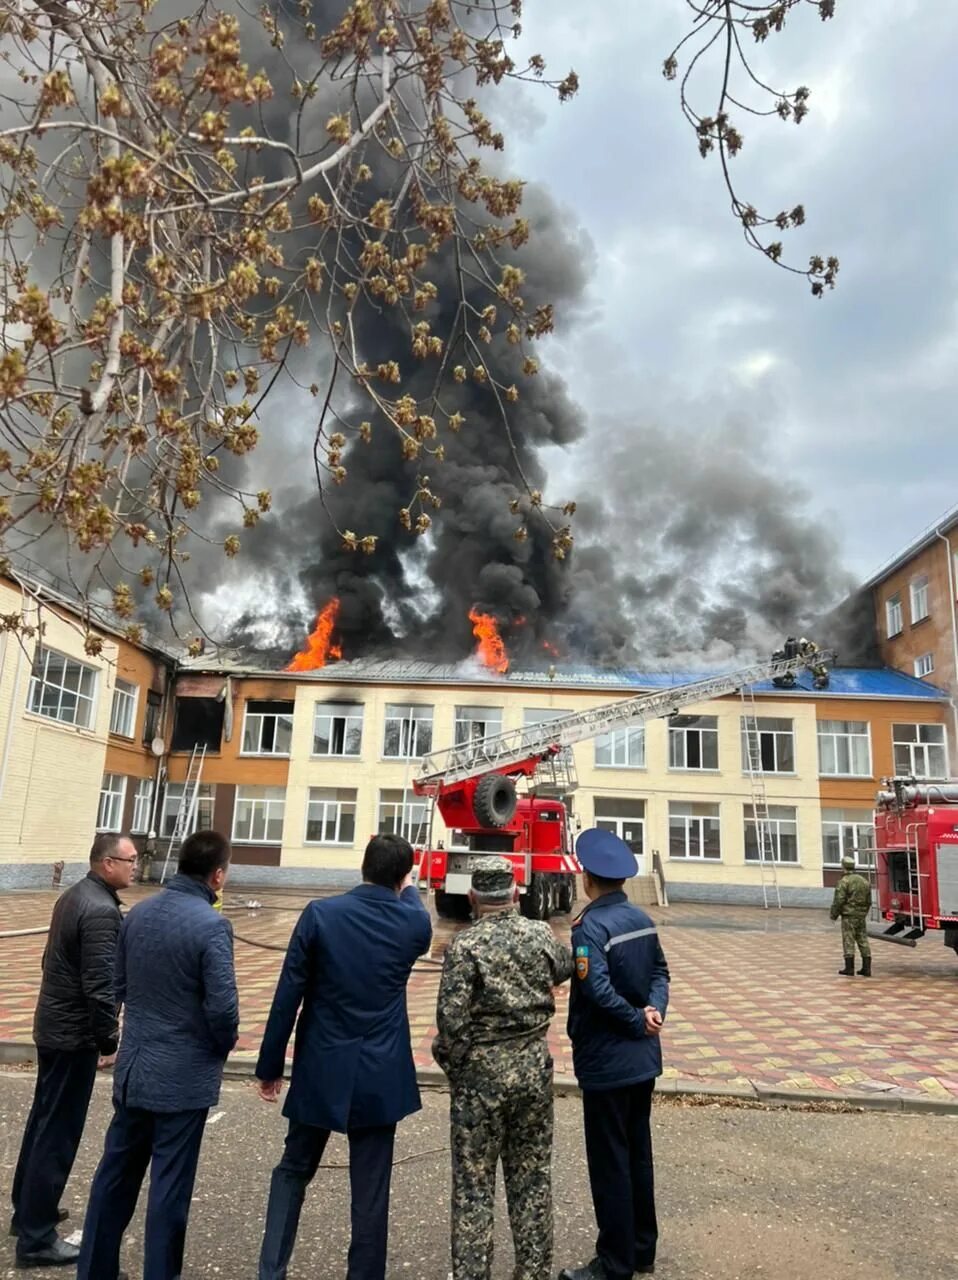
{"x": 647, "y": 1270}
{"x": 593, "y": 1270}
{"x": 58, "y": 1254}
{"x": 62, "y": 1215}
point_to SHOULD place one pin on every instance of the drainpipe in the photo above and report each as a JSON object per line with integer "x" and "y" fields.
{"x": 953, "y": 609}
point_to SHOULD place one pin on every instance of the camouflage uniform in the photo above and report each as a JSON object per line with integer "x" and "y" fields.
{"x": 495, "y": 1004}
{"x": 852, "y": 902}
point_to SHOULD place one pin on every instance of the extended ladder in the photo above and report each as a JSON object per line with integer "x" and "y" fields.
{"x": 756, "y": 776}
{"x": 186, "y": 813}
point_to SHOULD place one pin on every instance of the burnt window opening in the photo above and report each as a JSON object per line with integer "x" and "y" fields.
{"x": 198, "y": 723}
{"x": 151, "y": 722}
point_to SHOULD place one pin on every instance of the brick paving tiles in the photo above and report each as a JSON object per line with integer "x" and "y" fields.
{"x": 756, "y": 996}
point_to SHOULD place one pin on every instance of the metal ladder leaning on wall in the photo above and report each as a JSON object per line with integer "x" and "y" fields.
{"x": 763, "y": 833}
{"x": 187, "y": 808}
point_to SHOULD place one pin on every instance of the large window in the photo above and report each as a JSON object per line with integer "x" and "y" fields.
{"x": 151, "y": 721}
{"x": 109, "y": 815}
{"x": 475, "y": 723}
{"x": 894, "y": 620}
{"x": 621, "y": 749}
{"x": 62, "y": 689}
{"x": 920, "y": 750}
{"x": 693, "y": 742}
{"x": 781, "y": 835}
{"x": 142, "y": 806}
{"x": 198, "y": 722}
{"x": 338, "y": 729}
{"x": 267, "y": 728}
{"x": 772, "y": 748}
{"x": 848, "y": 833}
{"x": 924, "y": 664}
{"x": 694, "y": 830}
{"x": 403, "y": 813}
{"x": 919, "y": 598}
{"x": 258, "y": 815}
{"x": 331, "y": 815}
{"x": 123, "y": 711}
{"x": 408, "y": 732}
{"x": 202, "y": 815}
{"x": 625, "y": 817}
{"x": 844, "y": 748}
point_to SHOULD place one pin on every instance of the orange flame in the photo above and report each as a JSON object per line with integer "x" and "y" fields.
{"x": 490, "y": 650}
{"x": 319, "y": 646}
{"x": 550, "y": 648}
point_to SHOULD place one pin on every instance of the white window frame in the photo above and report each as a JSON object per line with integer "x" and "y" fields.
{"x": 41, "y": 686}
{"x": 351, "y": 714}
{"x": 924, "y": 665}
{"x": 264, "y": 806}
{"x": 695, "y": 822}
{"x": 407, "y": 816}
{"x": 774, "y": 734}
{"x": 123, "y": 709}
{"x": 330, "y": 803}
{"x": 491, "y": 724}
{"x": 894, "y": 616}
{"x": 919, "y": 751}
{"x": 835, "y": 736}
{"x": 775, "y": 822}
{"x": 617, "y": 822}
{"x": 678, "y": 759}
{"x": 142, "y": 806}
{"x": 918, "y": 596}
{"x": 851, "y": 834}
{"x": 109, "y": 814}
{"x": 621, "y": 745}
{"x": 202, "y": 814}
{"x": 260, "y": 717}
{"x": 411, "y": 716}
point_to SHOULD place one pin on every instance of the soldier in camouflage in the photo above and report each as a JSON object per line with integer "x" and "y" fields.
{"x": 852, "y": 902}
{"x": 495, "y": 1004}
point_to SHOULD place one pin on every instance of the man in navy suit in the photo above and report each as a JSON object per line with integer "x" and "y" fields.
{"x": 346, "y": 970}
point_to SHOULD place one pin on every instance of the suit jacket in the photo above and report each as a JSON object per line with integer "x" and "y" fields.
{"x": 176, "y": 981}
{"x": 346, "y": 970}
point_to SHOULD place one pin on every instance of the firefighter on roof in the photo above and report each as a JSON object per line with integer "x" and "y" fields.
{"x": 851, "y": 904}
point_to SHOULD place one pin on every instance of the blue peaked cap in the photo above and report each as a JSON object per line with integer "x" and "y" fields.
{"x": 604, "y": 854}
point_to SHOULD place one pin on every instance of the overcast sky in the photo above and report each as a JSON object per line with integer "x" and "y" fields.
{"x": 856, "y": 393}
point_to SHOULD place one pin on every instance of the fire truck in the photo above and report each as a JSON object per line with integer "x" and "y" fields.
{"x": 916, "y": 856}
{"x": 474, "y": 786}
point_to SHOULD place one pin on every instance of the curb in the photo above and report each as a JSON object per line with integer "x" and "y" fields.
{"x": 240, "y": 1066}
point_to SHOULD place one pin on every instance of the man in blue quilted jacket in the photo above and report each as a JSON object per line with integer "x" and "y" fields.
{"x": 175, "y": 979}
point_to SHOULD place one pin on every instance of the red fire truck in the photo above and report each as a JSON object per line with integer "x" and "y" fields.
{"x": 473, "y": 785}
{"x": 916, "y": 842}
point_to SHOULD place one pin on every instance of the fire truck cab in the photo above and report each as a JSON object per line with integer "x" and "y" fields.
{"x": 916, "y": 843}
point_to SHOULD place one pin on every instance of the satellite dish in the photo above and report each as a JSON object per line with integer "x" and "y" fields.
{"x": 158, "y": 746}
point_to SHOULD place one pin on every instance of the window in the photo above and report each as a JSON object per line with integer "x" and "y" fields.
{"x": 924, "y": 665}
{"x": 781, "y": 838}
{"x": 198, "y": 723}
{"x": 123, "y": 711}
{"x": 62, "y": 689}
{"x": 625, "y": 817}
{"x": 920, "y": 750}
{"x": 142, "y": 806}
{"x": 331, "y": 815}
{"x": 919, "y": 598}
{"x": 693, "y": 742}
{"x": 338, "y": 729}
{"x": 532, "y": 717}
{"x": 621, "y": 749}
{"x": 848, "y": 832}
{"x": 408, "y": 733}
{"x": 475, "y": 723}
{"x": 693, "y": 830}
{"x": 109, "y": 816}
{"x": 772, "y": 748}
{"x": 844, "y": 748}
{"x": 203, "y": 813}
{"x": 403, "y": 813}
{"x": 893, "y": 615}
{"x": 267, "y": 728}
{"x": 151, "y": 721}
{"x": 258, "y": 816}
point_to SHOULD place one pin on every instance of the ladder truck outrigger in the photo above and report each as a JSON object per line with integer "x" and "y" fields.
{"x": 473, "y": 785}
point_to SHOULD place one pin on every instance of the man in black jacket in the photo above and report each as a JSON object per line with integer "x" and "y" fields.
{"x": 75, "y": 1029}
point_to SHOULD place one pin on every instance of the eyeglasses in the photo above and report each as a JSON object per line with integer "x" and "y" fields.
{"x": 115, "y": 858}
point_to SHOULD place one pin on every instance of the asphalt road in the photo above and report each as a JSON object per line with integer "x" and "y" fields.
{"x": 743, "y": 1194}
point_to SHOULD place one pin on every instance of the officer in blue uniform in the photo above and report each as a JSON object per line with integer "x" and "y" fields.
{"x": 620, "y": 992}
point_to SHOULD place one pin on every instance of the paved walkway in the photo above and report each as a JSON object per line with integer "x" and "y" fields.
{"x": 756, "y": 997}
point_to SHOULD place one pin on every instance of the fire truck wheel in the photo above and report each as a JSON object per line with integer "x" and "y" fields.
{"x": 534, "y": 903}
{"x": 494, "y": 801}
{"x": 452, "y": 906}
{"x": 566, "y": 895}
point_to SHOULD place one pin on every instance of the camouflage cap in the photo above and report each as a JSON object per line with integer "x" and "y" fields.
{"x": 848, "y": 862}
{"x": 493, "y": 877}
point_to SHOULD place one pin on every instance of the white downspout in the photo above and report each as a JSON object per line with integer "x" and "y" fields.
{"x": 953, "y": 609}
